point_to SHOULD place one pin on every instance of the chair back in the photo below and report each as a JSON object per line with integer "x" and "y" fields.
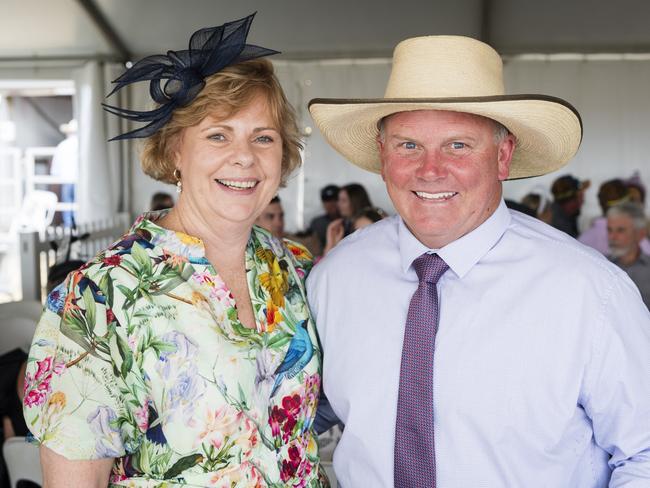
{"x": 18, "y": 322}
{"x": 23, "y": 461}
{"x": 36, "y": 212}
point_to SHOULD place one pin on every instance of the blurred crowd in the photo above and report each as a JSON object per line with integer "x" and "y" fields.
{"x": 619, "y": 233}
{"x": 345, "y": 209}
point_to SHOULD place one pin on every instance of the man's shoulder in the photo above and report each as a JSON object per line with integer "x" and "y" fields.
{"x": 319, "y": 219}
{"x": 556, "y": 248}
{"x": 377, "y": 236}
{"x": 360, "y": 247}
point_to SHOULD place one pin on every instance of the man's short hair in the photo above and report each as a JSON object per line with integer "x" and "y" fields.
{"x": 632, "y": 210}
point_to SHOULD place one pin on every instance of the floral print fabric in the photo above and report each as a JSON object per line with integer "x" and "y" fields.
{"x": 140, "y": 356}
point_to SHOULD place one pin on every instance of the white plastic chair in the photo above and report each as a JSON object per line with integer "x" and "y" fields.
{"x": 17, "y": 324}
{"x": 23, "y": 461}
{"x": 36, "y": 212}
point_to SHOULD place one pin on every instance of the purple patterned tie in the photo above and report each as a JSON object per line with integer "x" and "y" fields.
{"x": 415, "y": 463}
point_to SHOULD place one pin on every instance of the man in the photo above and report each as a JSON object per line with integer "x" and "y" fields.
{"x": 541, "y": 371}
{"x": 272, "y": 219}
{"x": 160, "y": 201}
{"x": 329, "y": 196}
{"x": 568, "y": 198}
{"x": 65, "y": 165}
{"x": 610, "y": 193}
{"x": 636, "y": 190}
{"x": 626, "y": 229}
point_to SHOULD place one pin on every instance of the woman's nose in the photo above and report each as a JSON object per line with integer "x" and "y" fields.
{"x": 243, "y": 154}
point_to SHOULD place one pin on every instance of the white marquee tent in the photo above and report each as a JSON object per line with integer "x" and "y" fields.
{"x": 593, "y": 53}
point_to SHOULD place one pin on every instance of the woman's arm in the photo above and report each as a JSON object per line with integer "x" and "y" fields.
{"x": 60, "y": 472}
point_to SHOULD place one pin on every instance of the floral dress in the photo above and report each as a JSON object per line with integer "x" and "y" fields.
{"x": 140, "y": 356}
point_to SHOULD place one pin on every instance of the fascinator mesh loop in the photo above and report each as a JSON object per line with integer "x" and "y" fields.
{"x": 179, "y": 76}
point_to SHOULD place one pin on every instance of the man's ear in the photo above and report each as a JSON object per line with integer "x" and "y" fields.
{"x": 380, "y": 148}
{"x": 505, "y": 150}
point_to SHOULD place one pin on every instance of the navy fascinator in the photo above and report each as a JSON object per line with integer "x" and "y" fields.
{"x": 177, "y": 77}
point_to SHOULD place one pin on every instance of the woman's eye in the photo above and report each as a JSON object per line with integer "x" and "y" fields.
{"x": 458, "y": 145}
{"x": 217, "y": 137}
{"x": 264, "y": 139}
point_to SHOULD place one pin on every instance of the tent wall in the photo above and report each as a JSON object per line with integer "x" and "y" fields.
{"x": 610, "y": 95}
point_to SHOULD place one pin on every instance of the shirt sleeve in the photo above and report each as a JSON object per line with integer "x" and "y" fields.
{"x": 73, "y": 400}
{"x": 618, "y": 385}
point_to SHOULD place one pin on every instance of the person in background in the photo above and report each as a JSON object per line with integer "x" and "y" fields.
{"x": 568, "y": 198}
{"x": 185, "y": 354}
{"x": 366, "y": 217}
{"x": 363, "y": 218}
{"x": 637, "y": 192}
{"x": 272, "y": 218}
{"x": 65, "y": 165}
{"x": 352, "y": 199}
{"x": 329, "y": 199}
{"x": 539, "y": 201}
{"x": 465, "y": 344}
{"x": 160, "y": 201}
{"x": 519, "y": 207}
{"x": 636, "y": 188}
{"x": 626, "y": 228}
{"x": 610, "y": 193}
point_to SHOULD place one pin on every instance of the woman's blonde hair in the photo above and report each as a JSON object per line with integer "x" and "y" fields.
{"x": 224, "y": 94}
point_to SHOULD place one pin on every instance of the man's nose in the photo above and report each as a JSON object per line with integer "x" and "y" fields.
{"x": 433, "y": 166}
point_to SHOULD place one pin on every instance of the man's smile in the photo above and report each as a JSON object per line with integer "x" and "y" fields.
{"x": 440, "y": 196}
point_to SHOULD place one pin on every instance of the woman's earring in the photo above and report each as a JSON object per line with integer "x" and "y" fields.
{"x": 179, "y": 184}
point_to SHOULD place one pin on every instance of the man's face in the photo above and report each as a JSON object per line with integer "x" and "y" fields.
{"x": 443, "y": 171}
{"x": 331, "y": 208}
{"x": 272, "y": 219}
{"x": 623, "y": 237}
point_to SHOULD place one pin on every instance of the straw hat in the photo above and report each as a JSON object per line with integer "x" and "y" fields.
{"x": 462, "y": 75}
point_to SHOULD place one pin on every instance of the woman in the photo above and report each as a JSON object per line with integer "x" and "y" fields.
{"x": 185, "y": 354}
{"x": 367, "y": 216}
{"x": 352, "y": 199}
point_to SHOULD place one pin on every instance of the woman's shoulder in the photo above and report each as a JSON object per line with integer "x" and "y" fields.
{"x": 286, "y": 248}
{"x": 299, "y": 252}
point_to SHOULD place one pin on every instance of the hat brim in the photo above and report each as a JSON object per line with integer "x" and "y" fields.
{"x": 548, "y": 129}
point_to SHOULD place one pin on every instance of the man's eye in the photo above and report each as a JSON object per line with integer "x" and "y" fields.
{"x": 409, "y": 145}
{"x": 457, "y": 145}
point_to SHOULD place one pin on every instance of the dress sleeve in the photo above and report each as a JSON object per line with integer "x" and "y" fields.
{"x": 72, "y": 397}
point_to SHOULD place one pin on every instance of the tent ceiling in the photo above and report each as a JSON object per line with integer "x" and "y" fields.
{"x": 310, "y": 29}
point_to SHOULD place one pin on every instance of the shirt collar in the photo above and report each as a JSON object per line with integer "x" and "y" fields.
{"x": 461, "y": 254}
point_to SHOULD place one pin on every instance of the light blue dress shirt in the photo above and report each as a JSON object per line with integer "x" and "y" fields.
{"x": 542, "y": 357}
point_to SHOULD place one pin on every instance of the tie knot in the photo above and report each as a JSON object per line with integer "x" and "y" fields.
{"x": 429, "y": 267}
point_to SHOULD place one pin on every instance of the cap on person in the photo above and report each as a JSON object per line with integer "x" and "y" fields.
{"x": 567, "y": 187}
{"x": 329, "y": 193}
